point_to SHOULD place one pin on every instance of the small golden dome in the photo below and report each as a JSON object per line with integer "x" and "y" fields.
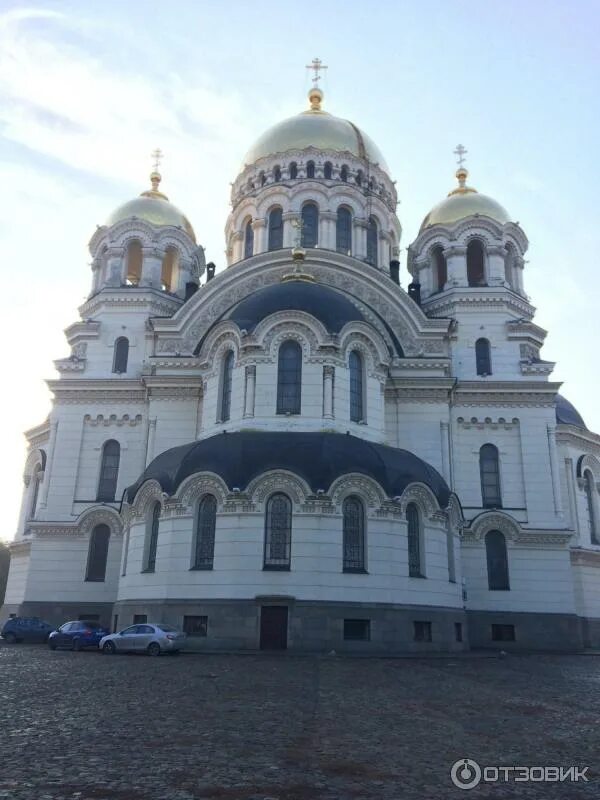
{"x": 463, "y": 202}
{"x": 315, "y": 128}
{"x": 154, "y": 207}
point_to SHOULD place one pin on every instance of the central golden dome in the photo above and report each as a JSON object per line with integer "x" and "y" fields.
{"x": 318, "y": 129}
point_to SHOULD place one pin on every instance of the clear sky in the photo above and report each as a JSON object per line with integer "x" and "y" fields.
{"x": 89, "y": 89}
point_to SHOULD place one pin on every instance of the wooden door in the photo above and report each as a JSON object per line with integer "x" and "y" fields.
{"x": 273, "y": 627}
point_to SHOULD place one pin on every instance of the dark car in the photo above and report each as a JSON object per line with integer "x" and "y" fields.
{"x": 77, "y": 635}
{"x": 26, "y": 629}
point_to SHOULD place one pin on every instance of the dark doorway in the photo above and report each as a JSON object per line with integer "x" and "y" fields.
{"x": 273, "y": 627}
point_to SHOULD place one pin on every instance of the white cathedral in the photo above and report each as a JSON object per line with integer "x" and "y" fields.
{"x": 298, "y": 453}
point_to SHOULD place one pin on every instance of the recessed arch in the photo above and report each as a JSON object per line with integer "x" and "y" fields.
{"x": 310, "y": 225}
{"x": 98, "y": 554}
{"x": 135, "y": 260}
{"x": 440, "y": 268}
{"x": 476, "y": 262}
{"x": 278, "y": 532}
{"x": 310, "y": 169}
{"x": 353, "y": 517}
{"x": 343, "y": 230}
{"x": 328, "y": 170}
{"x": 169, "y": 274}
{"x": 275, "y": 228}
{"x": 248, "y": 238}
{"x": 373, "y": 241}
{"x": 289, "y": 378}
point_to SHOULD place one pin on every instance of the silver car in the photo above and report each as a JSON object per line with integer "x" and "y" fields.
{"x": 150, "y": 638}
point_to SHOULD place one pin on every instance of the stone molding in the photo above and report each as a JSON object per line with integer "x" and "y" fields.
{"x": 512, "y": 530}
{"x": 113, "y": 419}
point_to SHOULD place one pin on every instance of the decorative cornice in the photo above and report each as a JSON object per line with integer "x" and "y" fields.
{"x": 113, "y": 419}
{"x": 585, "y": 558}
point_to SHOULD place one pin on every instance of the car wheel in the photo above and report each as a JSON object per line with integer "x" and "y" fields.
{"x": 10, "y": 638}
{"x": 76, "y": 645}
{"x": 51, "y": 644}
{"x": 154, "y": 649}
{"x": 109, "y": 649}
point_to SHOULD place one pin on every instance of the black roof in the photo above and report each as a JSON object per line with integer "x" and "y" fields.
{"x": 318, "y": 458}
{"x": 567, "y": 414}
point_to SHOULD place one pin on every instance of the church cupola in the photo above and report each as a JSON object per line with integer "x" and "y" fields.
{"x": 147, "y": 243}
{"x": 323, "y": 175}
{"x": 467, "y": 241}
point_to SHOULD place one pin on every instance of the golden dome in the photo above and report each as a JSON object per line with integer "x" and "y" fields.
{"x": 153, "y": 206}
{"x": 462, "y": 202}
{"x": 315, "y": 128}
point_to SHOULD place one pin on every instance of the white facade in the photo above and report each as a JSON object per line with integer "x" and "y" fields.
{"x": 441, "y": 375}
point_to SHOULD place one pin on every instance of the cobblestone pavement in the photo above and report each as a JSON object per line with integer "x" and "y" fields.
{"x": 82, "y": 726}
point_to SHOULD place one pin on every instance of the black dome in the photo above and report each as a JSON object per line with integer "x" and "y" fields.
{"x": 325, "y": 304}
{"x": 567, "y": 414}
{"x": 318, "y": 458}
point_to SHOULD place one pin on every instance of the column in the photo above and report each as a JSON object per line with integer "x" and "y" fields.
{"x": 456, "y": 259}
{"x": 328, "y": 375}
{"x": 327, "y": 220}
{"x": 152, "y": 267}
{"x": 96, "y": 275}
{"x": 238, "y": 246}
{"x": 359, "y": 238}
{"x": 572, "y": 496}
{"x": 259, "y": 226}
{"x": 383, "y": 250}
{"x": 250, "y": 390}
{"x": 114, "y": 266}
{"x": 551, "y": 431}
{"x": 496, "y": 272}
{"x": 151, "y": 439}
{"x": 445, "y": 440}
{"x": 48, "y": 468}
{"x": 290, "y": 230}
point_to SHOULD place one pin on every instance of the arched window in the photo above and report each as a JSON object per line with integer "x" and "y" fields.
{"x": 278, "y": 532}
{"x": 120, "y": 355}
{"x": 35, "y": 490}
{"x": 248, "y": 240}
{"x": 354, "y": 535}
{"x": 275, "y": 229}
{"x": 289, "y": 378}
{"x": 344, "y": 173}
{"x": 440, "y": 268}
{"x": 310, "y": 169}
{"x": 413, "y": 519}
{"x": 152, "y": 538}
{"x": 356, "y": 387}
{"x": 450, "y": 554}
{"x": 310, "y": 225}
{"x": 590, "y": 489}
{"x": 372, "y": 235}
{"x": 134, "y": 263}
{"x": 497, "y": 560}
{"x": 204, "y": 540}
{"x": 475, "y": 263}
{"x": 263, "y": 178}
{"x": 483, "y": 359}
{"x": 277, "y": 174}
{"x": 226, "y": 382}
{"x": 293, "y": 170}
{"x": 489, "y": 469}
{"x": 343, "y": 231}
{"x": 109, "y": 471}
{"x": 359, "y": 177}
{"x": 328, "y": 170}
{"x": 98, "y": 553}
{"x": 169, "y": 274}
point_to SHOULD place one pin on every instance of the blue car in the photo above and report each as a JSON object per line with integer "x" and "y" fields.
{"x": 77, "y": 635}
{"x": 25, "y": 629}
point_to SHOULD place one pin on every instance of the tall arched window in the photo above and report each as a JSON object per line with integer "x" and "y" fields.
{"x": 293, "y": 170}
{"x": 475, "y": 263}
{"x": 275, "y": 229}
{"x": 356, "y": 387}
{"x": 134, "y": 263}
{"x": 483, "y": 359}
{"x": 590, "y": 490}
{"x": 120, "y": 355}
{"x": 109, "y": 471}
{"x": 204, "y": 540}
{"x": 440, "y": 268}
{"x": 289, "y": 378}
{"x": 169, "y": 275}
{"x": 372, "y": 235}
{"x": 310, "y": 225}
{"x": 489, "y": 469}
{"x": 310, "y": 169}
{"x": 152, "y": 538}
{"x": 359, "y": 177}
{"x": 277, "y": 174}
{"x": 497, "y": 560}
{"x": 35, "y": 490}
{"x": 226, "y": 383}
{"x": 343, "y": 231}
{"x": 248, "y": 240}
{"x": 278, "y": 532}
{"x": 354, "y": 535}
{"x": 98, "y": 553}
{"x": 344, "y": 173}
{"x": 413, "y": 519}
{"x": 328, "y": 170}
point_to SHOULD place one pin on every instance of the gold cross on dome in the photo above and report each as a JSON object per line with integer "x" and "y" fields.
{"x": 157, "y": 156}
{"x": 317, "y": 65}
{"x": 461, "y": 152}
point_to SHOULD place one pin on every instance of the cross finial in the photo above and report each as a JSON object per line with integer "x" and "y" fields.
{"x": 317, "y": 65}
{"x": 460, "y": 152}
{"x": 157, "y": 157}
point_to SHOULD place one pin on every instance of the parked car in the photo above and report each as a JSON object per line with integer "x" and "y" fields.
{"x": 77, "y": 635}
{"x": 26, "y": 629}
{"x": 150, "y": 638}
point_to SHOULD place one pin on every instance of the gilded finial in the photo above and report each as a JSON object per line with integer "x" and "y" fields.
{"x": 462, "y": 173}
{"x": 155, "y": 176}
{"x": 315, "y": 94}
